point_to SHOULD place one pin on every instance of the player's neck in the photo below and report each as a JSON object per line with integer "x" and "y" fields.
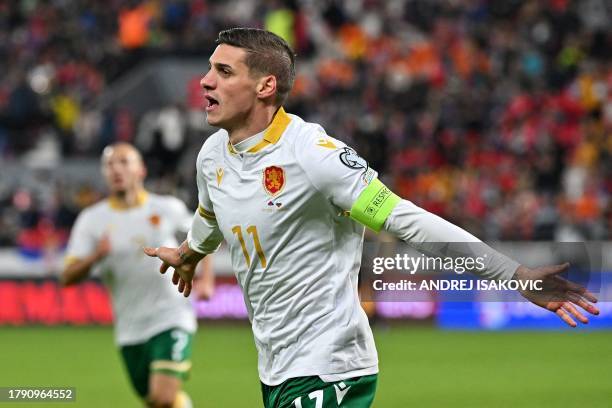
{"x": 128, "y": 199}
{"x": 256, "y": 122}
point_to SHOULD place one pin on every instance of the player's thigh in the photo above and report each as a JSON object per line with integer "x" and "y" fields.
{"x": 170, "y": 353}
{"x": 136, "y": 360}
{"x": 314, "y": 393}
{"x": 170, "y": 357}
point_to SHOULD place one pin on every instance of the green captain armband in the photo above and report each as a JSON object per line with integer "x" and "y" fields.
{"x": 374, "y": 205}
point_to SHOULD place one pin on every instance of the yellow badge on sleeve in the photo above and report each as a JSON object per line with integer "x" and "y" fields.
{"x": 325, "y": 142}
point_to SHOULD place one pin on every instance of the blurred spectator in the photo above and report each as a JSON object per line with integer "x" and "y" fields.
{"x": 496, "y": 115}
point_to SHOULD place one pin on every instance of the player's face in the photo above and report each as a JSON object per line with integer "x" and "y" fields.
{"x": 229, "y": 89}
{"x": 122, "y": 168}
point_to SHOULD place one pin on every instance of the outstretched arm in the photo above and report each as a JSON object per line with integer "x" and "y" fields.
{"x": 340, "y": 174}
{"x": 559, "y": 295}
{"x": 413, "y": 225}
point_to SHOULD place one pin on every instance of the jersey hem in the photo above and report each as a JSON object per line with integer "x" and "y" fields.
{"x": 313, "y": 372}
{"x": 130, "y": 341}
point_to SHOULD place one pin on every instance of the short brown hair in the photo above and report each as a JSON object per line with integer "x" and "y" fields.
{"x": 267, "y": 54}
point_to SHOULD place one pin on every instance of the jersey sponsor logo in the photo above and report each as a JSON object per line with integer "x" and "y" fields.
{"x": 273, "y": 180}
{"x": 325, "y": 142}
{"x": 341, "y": 390}
{"x": 219, "y": 173}
{"x": 352, "y": 160}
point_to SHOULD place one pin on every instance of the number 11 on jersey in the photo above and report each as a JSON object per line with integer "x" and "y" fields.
{"x": 251, "y": 229}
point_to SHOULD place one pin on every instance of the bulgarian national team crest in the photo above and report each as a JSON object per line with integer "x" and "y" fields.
{"x": 273, "y": 180}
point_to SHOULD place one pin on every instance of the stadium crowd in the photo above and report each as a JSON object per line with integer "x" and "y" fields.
{"x": 494, "y": 115}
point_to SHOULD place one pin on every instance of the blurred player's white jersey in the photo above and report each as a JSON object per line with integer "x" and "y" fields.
{"x": 279, "y": 199}
{"x": 145, "y": 302}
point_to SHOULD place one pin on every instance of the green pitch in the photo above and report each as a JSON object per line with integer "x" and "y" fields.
{"x": 420, "y": 367}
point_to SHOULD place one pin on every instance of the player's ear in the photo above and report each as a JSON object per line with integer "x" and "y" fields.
{"x": 266, "y": 86}
{"x": 143, "y": 172}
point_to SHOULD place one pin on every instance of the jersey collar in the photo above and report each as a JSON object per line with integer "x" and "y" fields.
{"x": 247, "y": 144}
{"x": 262, "y": 139}
{"x": 141, "y": 198}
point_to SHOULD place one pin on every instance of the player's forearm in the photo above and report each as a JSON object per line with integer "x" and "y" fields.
{"x": 78, "y": 269}
{"x": 188, "y": 255}
{"x": 427, "y": 231}
{"x": 204, "y": 236}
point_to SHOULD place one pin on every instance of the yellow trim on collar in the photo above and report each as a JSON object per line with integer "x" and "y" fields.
{"x": 231, "y": 148}
{"x": 274, "y": 132}
{"x": 141, "y": 198}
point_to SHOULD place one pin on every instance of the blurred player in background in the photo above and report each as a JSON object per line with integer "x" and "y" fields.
{"x": 279, "y": 191}
{"x": 154, "y": 325}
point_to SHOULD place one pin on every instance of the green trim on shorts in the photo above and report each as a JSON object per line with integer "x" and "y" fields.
{"x": 167, "y": 352}
{"x": 312, "y": 392}
{"x": 374, "y": 205}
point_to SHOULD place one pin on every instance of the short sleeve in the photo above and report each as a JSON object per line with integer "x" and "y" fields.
{"x": 82, "y": 241}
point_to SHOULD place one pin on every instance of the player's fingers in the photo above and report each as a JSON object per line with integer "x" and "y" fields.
{"x": 175, "y": 278}
{"x": 181, "y": 286}
{"x": 580, "y": 301}
{"x": 589, "y": 296}
{"x": 163, "y": 267}
{"x": 150, "y": 251}
{"x": 565, "y": 317}
{"x": 574, "y": 287}
{"x": 575, "y": 312}
{"x": 187, "y": 291}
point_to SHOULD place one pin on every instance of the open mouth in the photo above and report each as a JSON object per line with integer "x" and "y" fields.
{"x": 212, "y": 103}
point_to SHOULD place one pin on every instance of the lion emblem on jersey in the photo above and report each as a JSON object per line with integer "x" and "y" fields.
{"x": 273, "y": 180}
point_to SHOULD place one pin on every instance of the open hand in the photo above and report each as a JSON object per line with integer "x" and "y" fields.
{"x": 559, "y": 295}
{"x": 182, "y": 259}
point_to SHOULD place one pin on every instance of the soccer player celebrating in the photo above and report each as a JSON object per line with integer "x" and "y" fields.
{"x": 154, "y": 324}
{"x": 279, "y": 190}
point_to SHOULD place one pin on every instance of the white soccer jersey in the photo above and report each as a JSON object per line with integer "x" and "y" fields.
{"x": 145, "y": 302}
{"x": 279, "y": 199}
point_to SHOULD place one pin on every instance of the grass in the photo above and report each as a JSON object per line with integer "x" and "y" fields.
{"x": 420, "y": 367}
